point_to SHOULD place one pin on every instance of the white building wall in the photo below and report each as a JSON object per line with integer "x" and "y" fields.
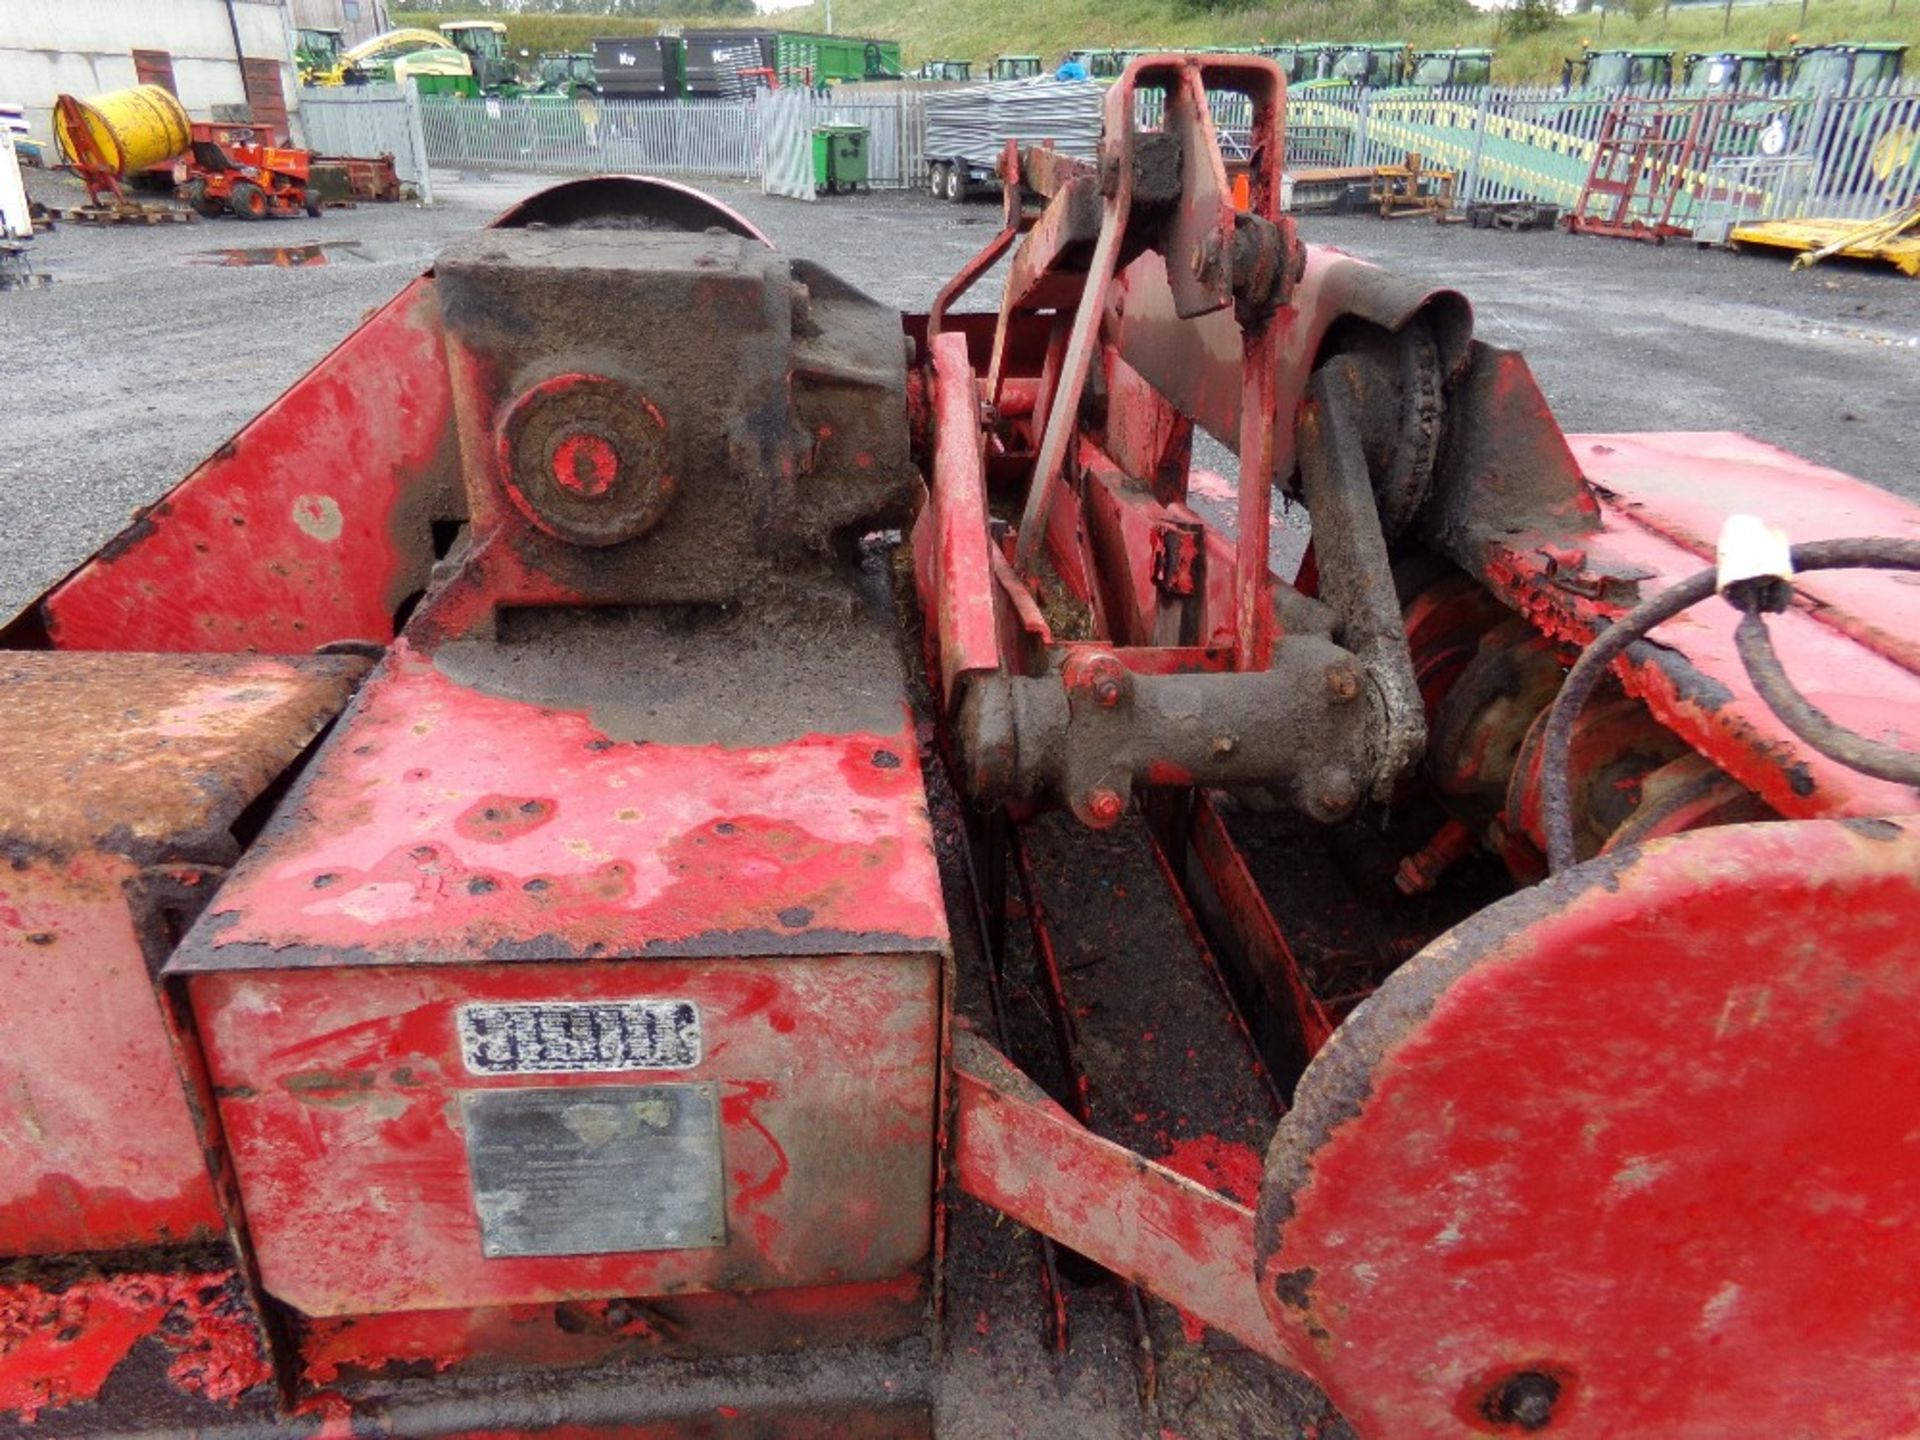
{"x": 84, "y": 47}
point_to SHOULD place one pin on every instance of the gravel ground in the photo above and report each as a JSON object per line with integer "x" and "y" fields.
{"x": 143, "y": 353}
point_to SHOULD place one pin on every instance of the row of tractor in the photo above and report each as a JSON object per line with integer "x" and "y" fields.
{"x": 471, "y": 57}
{"x": 1844, "y": 67}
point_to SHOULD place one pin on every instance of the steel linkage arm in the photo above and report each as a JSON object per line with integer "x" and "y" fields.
{"x": 1021, "y": 1153}
{"x": 1356, "y": 577}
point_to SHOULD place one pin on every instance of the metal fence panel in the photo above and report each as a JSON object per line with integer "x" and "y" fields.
{"x": 786, "y": 127}
{"x": 369, "y": 120}
{"x": 541, "y": 133}
{"x": 1539, "y": 145}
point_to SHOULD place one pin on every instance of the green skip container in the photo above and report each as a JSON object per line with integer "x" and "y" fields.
{"x": 840, "y": 156}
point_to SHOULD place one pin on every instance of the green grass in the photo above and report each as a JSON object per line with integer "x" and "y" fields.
{"x": 980, "y": 29}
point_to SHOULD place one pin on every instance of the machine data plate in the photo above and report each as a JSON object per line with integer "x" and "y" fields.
{"x": 560, "y": 1037}
{"x": 596, "y": 1170}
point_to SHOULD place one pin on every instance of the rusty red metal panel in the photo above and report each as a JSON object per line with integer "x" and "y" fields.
{"x": 592, "y": 1332}
{"x": 340, "y": 1094}
{"x": 442, "y": 823}
{"x": 97, "y": 1147}
{"x": 954, "y": 564}
{"x": 1684, "y": 485}
{"x": 1690, "y": 674}
{"x": 123, "y": 777}
{"x": 1122, "y": 521}
{"x": 312, "y": 524}
{"x": 1197, "y": 363}
{"x": 62, "y": 1340}
{"x": 1021, "y": 1153}
{"x": 152, "y": 756}
{"x": 1499, "y": 1207}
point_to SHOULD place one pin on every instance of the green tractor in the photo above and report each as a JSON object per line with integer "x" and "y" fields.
{"x": 484, "y": 43}
{"x": 316, "y": 55}
{"x": 1626, "y": 68}
{"x": 1733, "y": 72}
{"x": 1303, "y": 60}
{"x": 1016, "y": 67}
{"x": 567, "y": 73}
{"x": 1845, "y": 68}
{"x": 1456, "y": 69}
{"x": 1100, "y": 64}
{"x": 1367, "y": 65}
{"x": 944, "y": 70}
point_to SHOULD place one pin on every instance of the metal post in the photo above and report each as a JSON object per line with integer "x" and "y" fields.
{"x": 1359, "y": 155}
{"x": 417, "y": 139}
{"x": 1470, "y": 187}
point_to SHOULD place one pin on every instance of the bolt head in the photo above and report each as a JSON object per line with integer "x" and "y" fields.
{"x": 1343, "y": 682}
{"x": 1526, "y": 1400}
{"x": 1105, "y": 806}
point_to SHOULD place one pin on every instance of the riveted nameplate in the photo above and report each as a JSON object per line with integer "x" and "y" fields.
{"x": 572, "y": 1037}
{"x": 596, "y": 1170}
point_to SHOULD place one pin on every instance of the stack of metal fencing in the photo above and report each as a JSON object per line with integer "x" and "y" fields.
{"x": 976, "y": 123}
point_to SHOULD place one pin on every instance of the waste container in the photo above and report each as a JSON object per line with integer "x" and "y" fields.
{"x": 840, "y": 155}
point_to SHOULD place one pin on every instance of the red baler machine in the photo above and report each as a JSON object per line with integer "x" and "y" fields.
{"x": 569, "y": 879}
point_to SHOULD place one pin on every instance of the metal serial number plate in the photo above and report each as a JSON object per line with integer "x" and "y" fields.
{"x": 596, "y": 1171}
{"x": 561, "y": 1037}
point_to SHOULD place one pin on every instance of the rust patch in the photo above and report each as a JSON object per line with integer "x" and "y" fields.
{"x": 499, "y": 818}
{"x": 152, "y": 756}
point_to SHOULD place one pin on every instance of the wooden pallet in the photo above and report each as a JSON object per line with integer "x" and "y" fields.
{"x": 123, "y": 215}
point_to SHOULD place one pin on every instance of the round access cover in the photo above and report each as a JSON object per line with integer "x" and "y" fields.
{"x": 1634, "y": 1152}
{"x": 586, "y": 459}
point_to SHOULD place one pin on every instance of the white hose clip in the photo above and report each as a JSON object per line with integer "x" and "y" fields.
{"x": 1758, "y": 558}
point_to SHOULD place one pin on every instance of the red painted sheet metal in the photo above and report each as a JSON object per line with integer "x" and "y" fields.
{"x": 311, "y": 525}
{"x": 951, "y": 549}
{"x": 1691, "y": 677}
{"x": 1691, "y": 1208}
{"x": 339, "y": 1095}
{"x": 1683, "y": 485}
{"x": 61, "y": 1343}
{"x": 1022, "y": 1154}
{"x": 442, "y": 824}
{"x": 153, "y": 756}
{"x": 97, "y": 1148}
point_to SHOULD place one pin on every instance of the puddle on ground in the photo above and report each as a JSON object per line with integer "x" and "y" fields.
{"x": 287, "y": 257}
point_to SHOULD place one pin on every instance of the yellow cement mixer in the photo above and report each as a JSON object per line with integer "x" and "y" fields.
{"x": 115, "y": 135}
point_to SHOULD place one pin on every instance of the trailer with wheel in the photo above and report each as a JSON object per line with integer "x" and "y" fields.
{"x": 968, "y": 129}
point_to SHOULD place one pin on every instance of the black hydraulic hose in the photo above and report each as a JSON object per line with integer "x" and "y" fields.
{"x": 1798, "y": 714}
{"x": 1556, "y": 784}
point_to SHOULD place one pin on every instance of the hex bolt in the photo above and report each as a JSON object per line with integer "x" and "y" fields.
{"x": 1526, "y": 1400}
{"x": 1343, "y": 682}
{"x": 1105, "y": 806}
{"x": 1106, "y": 690}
